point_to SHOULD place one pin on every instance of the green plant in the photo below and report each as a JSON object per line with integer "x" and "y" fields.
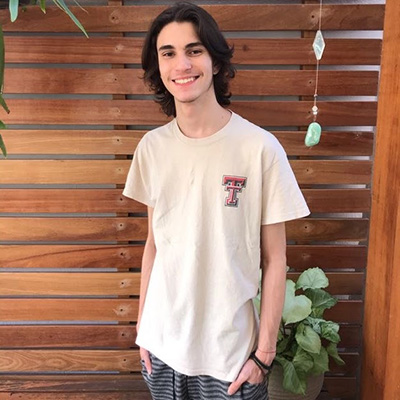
{"x": 305, "y": 339}
{"x": 13, "y": 6}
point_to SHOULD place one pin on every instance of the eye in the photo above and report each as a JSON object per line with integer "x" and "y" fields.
{"x": 167, "y": 54}
{"x": 195, "y": 52}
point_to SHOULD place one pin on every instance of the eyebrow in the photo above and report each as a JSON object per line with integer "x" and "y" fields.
{"x": 188, "y": 46}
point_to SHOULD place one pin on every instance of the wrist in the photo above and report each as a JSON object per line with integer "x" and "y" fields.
{"x": 264, "y": 367}
{"x": 265, "y": 356}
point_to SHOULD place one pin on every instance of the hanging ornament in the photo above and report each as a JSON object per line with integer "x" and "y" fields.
{"x": 314, "y": 130}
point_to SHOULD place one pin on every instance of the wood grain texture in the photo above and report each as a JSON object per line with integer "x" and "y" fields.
{"x": 301, "y": 257}
{"x": 341, "y": 387}
{"x": 73, "y": 229}
{"x": 67, "y": 201}
{"x": 316, "y": 229}
{"x": 120, "y": 142}
{"x": 341, "y": 283}
{"x": 146, "y": 112}
{"x": 346, "y": 311}
{"x": 99, "y": 310}
{"x": 246, "y": 82}
{"x": 229, "y": 17}
{"x": 112, "y": 201}
{"x": 115, "y": 171}
{"x": 71, "y": 256}
{"x": 70, "y": 284}
{"x": 126, "y": 229}
{"x": 127, "y": 50}
{"x": 381, "y": 340}
{"x": 338, "y": 200}
{"x": 67, "y": 336}
{"x": 68, "y": 360}
{"x": 72, "y": 384}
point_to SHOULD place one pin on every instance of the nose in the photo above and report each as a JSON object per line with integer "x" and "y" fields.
{"x": 183, "y": 62}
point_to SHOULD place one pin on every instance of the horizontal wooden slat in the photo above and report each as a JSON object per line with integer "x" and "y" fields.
{"x": 333, "y": 143}
{"x": 338, "y": 200}
{"x": 67, "y": 201}
{"x": 297, "y": 83}
{"x": 341, "y": 387}
{"x": 68, "y": 360}
{"x": 71, "y": 256}
{"x": 332, "y": 171}
{"x": 73, "y": 383}
{"x": 96, "y": 336}
{"x": 69, "y": 284}
{"x": 80, "y": 141}
{"x": 229, "y": 17}
{"x": 73, "y": 229}
{"x": 352, "y": 362}
{"x": 341, "y": 283}
{"x": 102, "y": 310}
{"x": 346, "y": 311}
{"x": 69, "y": 336}
{"x": 115, "y": 171}
{"x": 58, "y": 50}
{"x": 95, "y": 284}
{"x": 315, "y": 229}
{"x": 350, "y": 336}
{"x": 112, "y": 200}
{"x": 146, "y": 112}
{"x": 246, "y": 82}
{"x": 301, "y": 257}
{"x": 125, "y": 229}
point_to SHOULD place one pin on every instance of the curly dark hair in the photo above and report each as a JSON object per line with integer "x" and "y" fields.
{"x": 210, "y": 36}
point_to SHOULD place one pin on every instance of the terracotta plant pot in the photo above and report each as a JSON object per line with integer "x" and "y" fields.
{"x": 277, "y": 392}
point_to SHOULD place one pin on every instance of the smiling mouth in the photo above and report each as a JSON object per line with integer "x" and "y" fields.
{"x": 185, "y": 80}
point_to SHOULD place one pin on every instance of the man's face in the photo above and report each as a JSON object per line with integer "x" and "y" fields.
{"x": 186, "y": 67}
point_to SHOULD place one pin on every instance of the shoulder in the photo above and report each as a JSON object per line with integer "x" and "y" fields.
{"x": 155, "y": 138}
{"x": 254, "y": 135}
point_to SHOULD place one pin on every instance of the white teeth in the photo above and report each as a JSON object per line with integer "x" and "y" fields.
{"x": 182, "y": 81}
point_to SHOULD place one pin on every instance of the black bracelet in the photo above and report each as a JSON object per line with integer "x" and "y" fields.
{"x": 259, "y": 363}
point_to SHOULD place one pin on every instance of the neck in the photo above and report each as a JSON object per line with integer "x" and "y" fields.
{"x": 200, "y": 122}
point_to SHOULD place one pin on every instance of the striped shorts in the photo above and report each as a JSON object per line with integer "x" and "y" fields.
{"x": 166, "y": 384}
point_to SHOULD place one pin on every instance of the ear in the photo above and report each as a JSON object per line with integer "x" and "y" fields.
{"x": 216, "y": 69}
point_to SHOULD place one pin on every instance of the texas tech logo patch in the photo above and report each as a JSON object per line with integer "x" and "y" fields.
{"x": 233, "y": 185}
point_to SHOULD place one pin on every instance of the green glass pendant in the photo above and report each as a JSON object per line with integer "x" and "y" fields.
{"x": 313, "y": 134}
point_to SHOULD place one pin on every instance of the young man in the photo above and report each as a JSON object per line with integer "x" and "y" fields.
{"x": 218, "y": 191}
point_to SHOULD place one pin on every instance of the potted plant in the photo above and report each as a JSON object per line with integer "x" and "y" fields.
{"x": 13, "y": 6}
{"x": 305, "y": 339}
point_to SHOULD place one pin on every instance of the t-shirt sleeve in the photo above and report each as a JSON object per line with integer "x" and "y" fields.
{"x": 282, "y": 197}
{"x": 137, "y": 184}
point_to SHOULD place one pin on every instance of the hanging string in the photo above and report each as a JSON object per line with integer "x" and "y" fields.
{"x": 314, "y": 129}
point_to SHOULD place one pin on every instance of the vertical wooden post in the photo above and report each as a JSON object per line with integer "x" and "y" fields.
{"x": 381, "y": 339}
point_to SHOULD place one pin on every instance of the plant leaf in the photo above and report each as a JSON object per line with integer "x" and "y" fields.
{"x": 329, "y": 330}
{"x": 2, "y": 145}
{"x": 13, "y": 6}
{"x": 321, "y": 362}
{"x": 64, "y": 7}
{"x": 308, "y": 339}
{"x": 294, "y": 381}
{"x": 43, "y": 6}
{"x": 332, "y": 351}
{"x": 321, "y": 300}
{"x": 303, "y": 361}
{"x": 296, "y": 308}
{"x": 312, "y": 278}
{"x": 4, "y": 104}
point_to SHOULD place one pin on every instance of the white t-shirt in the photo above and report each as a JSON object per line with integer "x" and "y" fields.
{"x": 210, "y": 197}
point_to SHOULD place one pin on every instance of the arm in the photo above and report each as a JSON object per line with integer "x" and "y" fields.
{"x": 273, "y": 264}
{"x": 149, "y": 255}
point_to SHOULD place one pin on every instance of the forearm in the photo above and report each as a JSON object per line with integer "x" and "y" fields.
{"x": 273, "y": 264}
{"x": 272, "y": 299}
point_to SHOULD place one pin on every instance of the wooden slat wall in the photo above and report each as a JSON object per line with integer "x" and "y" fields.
{"x": 71, "y": 244}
